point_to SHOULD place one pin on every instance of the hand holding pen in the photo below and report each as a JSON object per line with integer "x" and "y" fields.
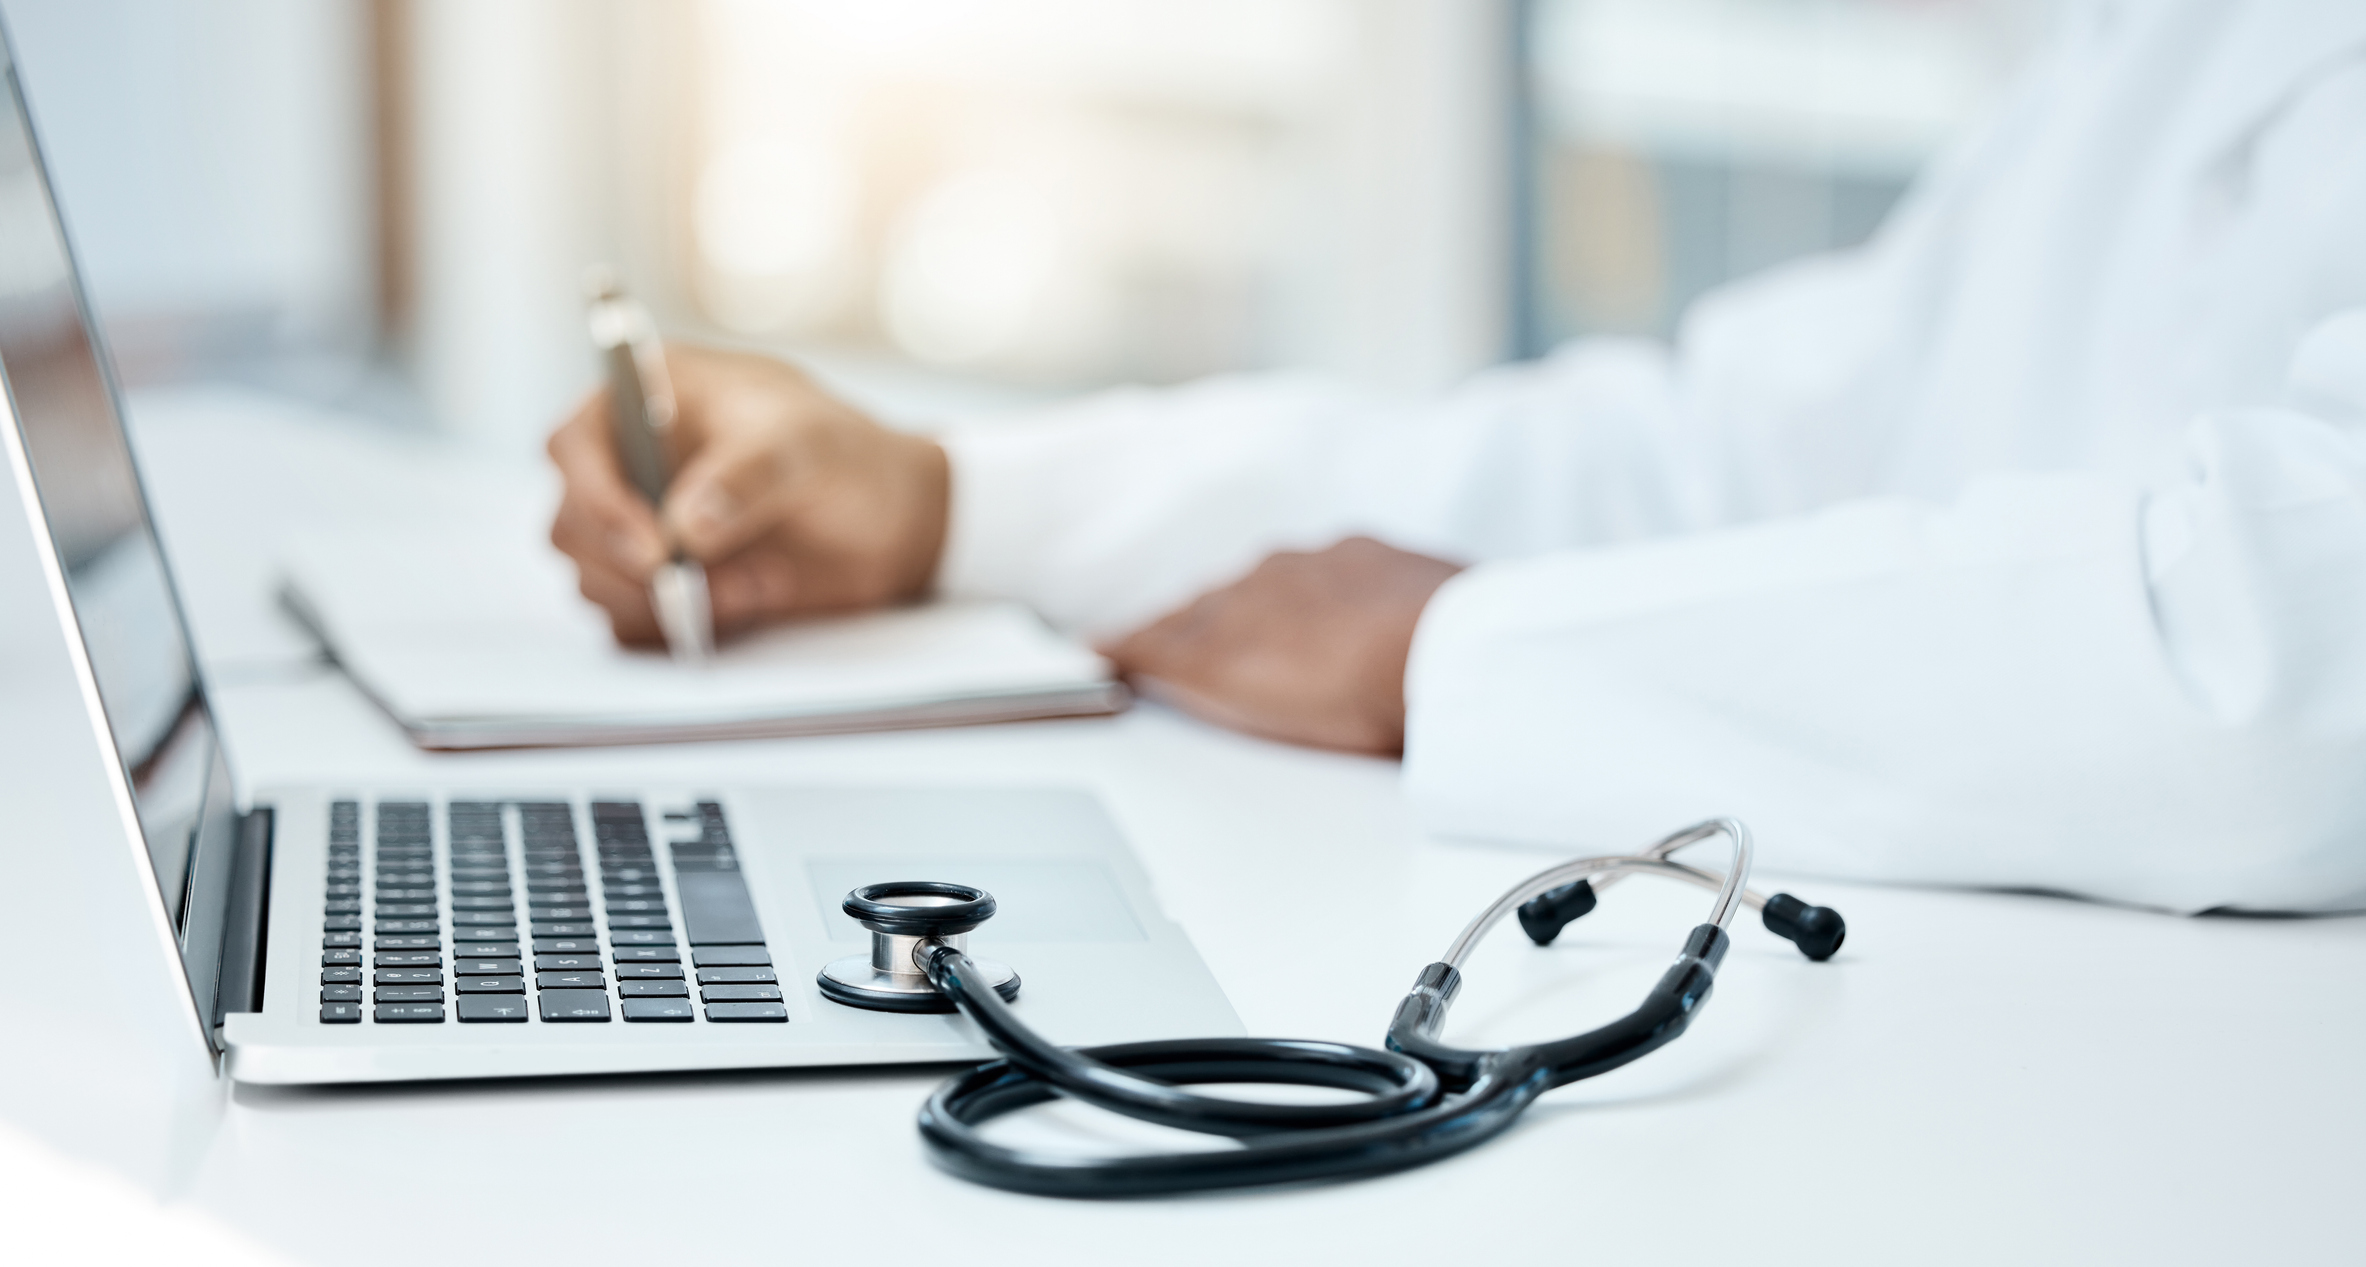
{"x": 793, "y": 501}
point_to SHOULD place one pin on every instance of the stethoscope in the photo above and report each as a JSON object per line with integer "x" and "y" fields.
{"x": 1423, "y": 1100}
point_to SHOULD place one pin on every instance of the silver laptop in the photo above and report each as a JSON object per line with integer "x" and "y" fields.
{"x": 362, "y": 933}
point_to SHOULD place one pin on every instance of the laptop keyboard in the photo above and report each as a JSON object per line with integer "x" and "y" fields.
{"x": 502, "y": 924}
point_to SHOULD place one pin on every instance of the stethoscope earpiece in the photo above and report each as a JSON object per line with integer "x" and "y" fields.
{"x": 1816, "y": 930}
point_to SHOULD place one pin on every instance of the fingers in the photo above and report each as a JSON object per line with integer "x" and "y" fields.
{"x": 610, "y": 533}
{"x": 601, "y": 518}
{"x": 626, "y": 601}
{"x": 1171, "y": 647}
{"x": 1309, "y": 648}
{"x": 727, "y": 495}
{"x": 752, "y": 589}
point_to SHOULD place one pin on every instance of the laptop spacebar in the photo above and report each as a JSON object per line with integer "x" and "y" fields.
{"x": 715, "y": 908}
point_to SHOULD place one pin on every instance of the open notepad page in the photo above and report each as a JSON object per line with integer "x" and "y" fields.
{"x": 477, "y": 644}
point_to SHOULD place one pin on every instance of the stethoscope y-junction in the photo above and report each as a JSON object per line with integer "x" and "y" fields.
{"x": 1422, "y": 1099}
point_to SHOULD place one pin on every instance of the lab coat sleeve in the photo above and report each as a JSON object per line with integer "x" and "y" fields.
{"x": 1108, "y": 512}
{"x": 2062, "y": 681}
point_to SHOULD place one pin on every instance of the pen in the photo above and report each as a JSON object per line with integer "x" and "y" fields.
{"x": 640, "y": 409}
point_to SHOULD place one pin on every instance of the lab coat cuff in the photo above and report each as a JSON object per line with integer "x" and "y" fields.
{"x": 1001, "y": 520}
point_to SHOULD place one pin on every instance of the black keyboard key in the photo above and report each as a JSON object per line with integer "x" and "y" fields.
{"x": 542, "y": 913}
{"x": 569, "y": 981}
{"x": 409, "y": 976}
{"x": 339, "y": 976}
{"x": 340, "y": 994}
{"x": 408, "y": 959}
{"x": 509, "y": 967}
{"x": 410, "y": 994}
{"x": 482, "y": 919}
{"x": 573, "y": 1005}
{"x": 387, "y": 926}
{"x": 649, "y": 971}
{"x": 570, "y": 928}
{"x": 716, "y": 909}
{"x": 504, "y": 903}
{"x": 537, "y": 899}
{"x": 493, "y": 886}
{"x": 406, "y": 895}
{"x": 488, "y": 949}
{"x": 737, "y": 993}
{"x": 648, "y": 954}
{"x": 639, "y": 921}
{"x": 635, "y": 905}
{"x": 342, "y": 906}
{"x": 340, "y": 1013}
{"x": 493, "y": 1007}
{"x": 567, "y": 963}
{"x": 624, "y": 937}
{"x": 653, "y": 989}
{"x": 330, "y": 958}
{"x": 409, "y": 1013}
{"x": 489, "y": 985}
{"x": 627, "y": 892}
{"x": 503, "y": 936}
{"x": 566, "y": 946}
{"x": 344, "y": 889}
{"x": 407, "y": 943}
{"x": 341, "y": 924}
{"x": 723, "y": 1012}
{"x": 731, "y": 957}
{"x": 735, "y": 976}
{"x": 629, "y": 875}
{"x": 405, "y": 910}
{"x": 676, "y": 1010}
{"x": 341, "y": 939}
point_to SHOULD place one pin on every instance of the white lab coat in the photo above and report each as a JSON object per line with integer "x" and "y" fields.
{"x": 2025, "y": 546}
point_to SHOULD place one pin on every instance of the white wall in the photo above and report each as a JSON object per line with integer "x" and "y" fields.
{"x": 510, "y": 200}
{"x": 213, "y": 162}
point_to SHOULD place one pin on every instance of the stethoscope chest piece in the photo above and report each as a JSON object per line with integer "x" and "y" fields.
{"x": 905, "y": 917}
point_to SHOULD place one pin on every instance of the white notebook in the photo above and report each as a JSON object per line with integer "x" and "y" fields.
{"x": 477, "y": 644}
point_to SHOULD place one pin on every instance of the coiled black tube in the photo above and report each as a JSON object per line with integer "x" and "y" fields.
{"x": 1405, "y": 1121}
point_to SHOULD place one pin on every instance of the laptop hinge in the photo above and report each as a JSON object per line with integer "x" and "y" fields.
{"x": 240, "y": 987}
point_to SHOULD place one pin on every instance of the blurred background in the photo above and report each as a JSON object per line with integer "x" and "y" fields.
{"x": 387, "y": 205}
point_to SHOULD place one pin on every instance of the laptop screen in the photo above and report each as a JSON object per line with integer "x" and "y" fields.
{"x": 129, "y": 621}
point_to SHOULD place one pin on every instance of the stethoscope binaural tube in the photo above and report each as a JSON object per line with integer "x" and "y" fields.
{"x": 1423, "y": 1101}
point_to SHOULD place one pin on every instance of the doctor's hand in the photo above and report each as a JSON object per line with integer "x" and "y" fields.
{"x": 1307, "y": 648}
{"x": 794, "y": 500}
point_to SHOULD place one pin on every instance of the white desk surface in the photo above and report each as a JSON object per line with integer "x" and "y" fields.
{"x": 1976, "y": 1078}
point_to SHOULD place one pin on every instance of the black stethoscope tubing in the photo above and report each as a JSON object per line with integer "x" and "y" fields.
{"x": 1424, "y": 1101}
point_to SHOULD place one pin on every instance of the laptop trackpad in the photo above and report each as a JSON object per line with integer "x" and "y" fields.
{"x": 1035, "y": 900}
